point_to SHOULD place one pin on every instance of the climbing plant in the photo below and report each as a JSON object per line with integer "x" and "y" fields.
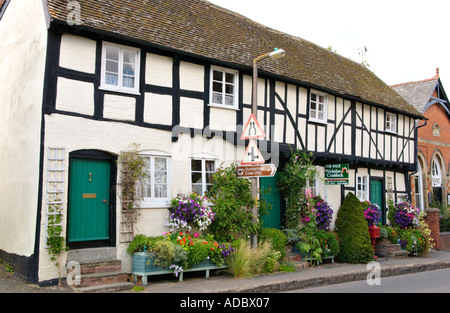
{"x": 56, "y": 243}
{"x": 232, "y": 198}
{"x": 132, "y": 169}
{"x": 293, "y": 179}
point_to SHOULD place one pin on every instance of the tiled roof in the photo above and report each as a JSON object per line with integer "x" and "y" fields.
{"x": 417, "y": 93}
{"x": 207, "y": 30}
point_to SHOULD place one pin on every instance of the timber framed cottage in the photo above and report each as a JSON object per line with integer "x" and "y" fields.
{"x": 82, "y": 80}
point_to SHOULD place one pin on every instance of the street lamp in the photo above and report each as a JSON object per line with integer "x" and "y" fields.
{"x": 274, "y": 55}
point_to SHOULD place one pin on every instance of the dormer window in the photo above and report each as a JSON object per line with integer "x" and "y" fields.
{"x": 120, "y": 68}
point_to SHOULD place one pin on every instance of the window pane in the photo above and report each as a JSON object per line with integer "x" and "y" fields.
{"x": 217, "y": 98}
{"x": 321, "y": 99}
{"x": 313, "y": 97}
{"x": 160, "y": 177}
{"x": 210, "y": 166}
{"x": 112, "y": 53}
{"x": 229, "y": 89}
{"x": 217, "y": 87}
{"x": 128, "y": 82}
{"x": 160, "y": 191}
{"x": 196, "y": 165}
{"x": 112, "y": 66}
{"x": 197, "y": 189}
{"x": 229, "y": 78}
{"x": 160, "y": 164}
{"x": 129, "y": 56}
{"x": 229, "y": 100}
{"x": 217, "y": 76}
{"x": 128, "y": 69}
{"x": 112, "y": 79}
{"x": 196, "y": 178}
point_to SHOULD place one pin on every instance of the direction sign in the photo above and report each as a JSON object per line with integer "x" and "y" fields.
{"x": 262, "y": 170}
{"x": 337, "y": 174}
{"x": 252, "y": 155}
{"x": 252, "y": 129}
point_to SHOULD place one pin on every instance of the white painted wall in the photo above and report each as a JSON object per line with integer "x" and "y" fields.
{"x": 23, "y": 39}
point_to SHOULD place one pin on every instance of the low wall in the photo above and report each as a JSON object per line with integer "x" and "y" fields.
{"x": 444, "y": 240}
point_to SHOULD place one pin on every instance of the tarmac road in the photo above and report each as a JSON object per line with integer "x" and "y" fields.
{"x": 437, "y": 281}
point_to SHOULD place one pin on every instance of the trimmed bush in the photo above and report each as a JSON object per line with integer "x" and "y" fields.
{"x": 351, "y": 226}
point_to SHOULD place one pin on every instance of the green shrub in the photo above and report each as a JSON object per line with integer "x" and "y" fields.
{"x": 276, "y": 237}
{"x": 354, "y": 239}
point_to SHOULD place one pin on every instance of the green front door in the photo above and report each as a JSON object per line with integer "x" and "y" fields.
{"x": 89, "y": 197}
{"x": 273, "y": 219}
{"x": 376, "y": 194}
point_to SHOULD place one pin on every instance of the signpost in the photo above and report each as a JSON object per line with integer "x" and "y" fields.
{"x": 263, "y": 170}
{"x": 336, "y": 174}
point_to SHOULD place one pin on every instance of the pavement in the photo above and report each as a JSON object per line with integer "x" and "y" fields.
{"x": 319, "y": 275}
{"x": 324, "y": 274}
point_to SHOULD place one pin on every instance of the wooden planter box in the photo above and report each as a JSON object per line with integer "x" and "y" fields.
{"x": 142, "y": 267}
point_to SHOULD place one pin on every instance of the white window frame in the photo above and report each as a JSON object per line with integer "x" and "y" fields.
{"x": 391, "y": 122}
{"x": 436, "y": 173}
{"x": 362, "y": 193}
{"x": 235, "y": 84}
{"x": 120, "y": 87}
{"x": 203, "y": 160}
{"x": 152, "y": 201}
{"x": 419, "y": 186}
{"x": 314, "y": 113}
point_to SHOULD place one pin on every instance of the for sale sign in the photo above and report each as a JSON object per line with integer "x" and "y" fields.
{"x": 337, "y": 174}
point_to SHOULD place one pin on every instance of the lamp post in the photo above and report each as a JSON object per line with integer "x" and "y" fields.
{"x": 274, "y": 55}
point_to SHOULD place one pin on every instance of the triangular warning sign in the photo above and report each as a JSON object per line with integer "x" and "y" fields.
{"x": 252, "y": 130}
{"x": 252, "y": 155}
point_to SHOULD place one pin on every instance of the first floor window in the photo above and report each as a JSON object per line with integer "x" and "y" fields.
{"x": 391, "y": 122}
{"x": 418, "y": 187}
{"x": 318, "y": 107}
{"x": 362, "y": 187}
{"x": 201, "y": 175}
{"x": 120, "y": 68}
{"x": 154, "y": 188}
{"x": 224, "y": 87}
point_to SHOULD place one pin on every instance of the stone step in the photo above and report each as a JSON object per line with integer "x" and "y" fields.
{"x": 106, "y": 288}
{"x": 101, "y": 267}
{"x": 389, "y": 250}
{"x": 102, "y": 276}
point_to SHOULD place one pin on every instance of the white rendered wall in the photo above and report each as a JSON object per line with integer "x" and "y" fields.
{"x": 23, "y": 38}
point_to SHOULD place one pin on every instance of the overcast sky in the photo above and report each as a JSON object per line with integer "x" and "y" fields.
{"x": 406, "y": 40}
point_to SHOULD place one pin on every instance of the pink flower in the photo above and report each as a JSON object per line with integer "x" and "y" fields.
{"x": 196, "y": 235}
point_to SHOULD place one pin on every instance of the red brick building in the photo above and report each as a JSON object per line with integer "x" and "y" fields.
{"x": 432, "y": 180}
